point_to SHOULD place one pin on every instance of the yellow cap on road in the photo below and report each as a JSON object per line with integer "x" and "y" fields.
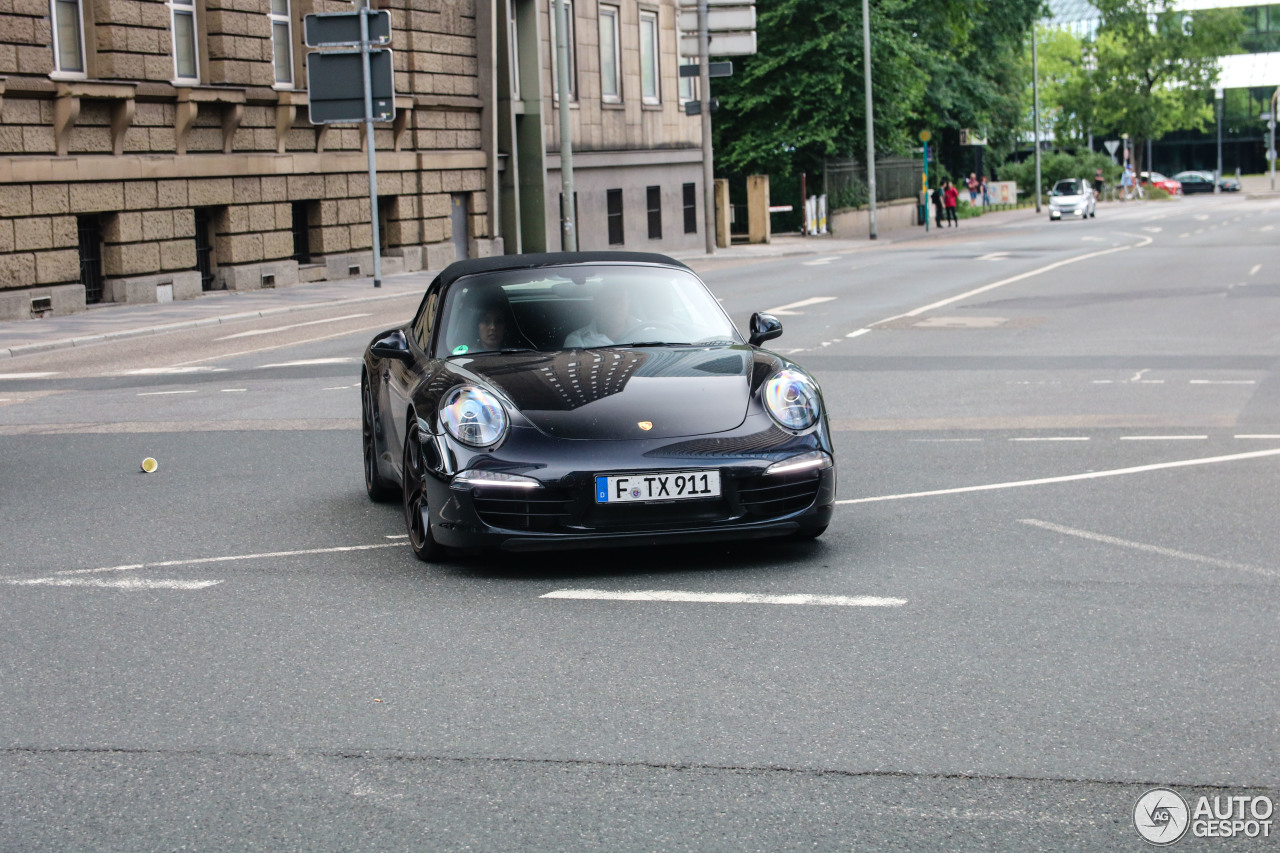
{"x": 149, "y": 465}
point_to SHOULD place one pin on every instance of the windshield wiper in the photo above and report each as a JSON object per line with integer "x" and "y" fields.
{"x": 656, "y": 344}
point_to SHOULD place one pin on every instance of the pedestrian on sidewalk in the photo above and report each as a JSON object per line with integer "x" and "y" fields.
{"x": 972, "y": 184}
{"x": 937, "y": 206}
{"x": 1126, "y": 182}
{"x": 1098, "y": 183}
{"x": 950, "y": 197}
{"x": 986, "y": 196}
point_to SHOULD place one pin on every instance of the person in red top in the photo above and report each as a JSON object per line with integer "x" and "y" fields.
{"x": 950, "y": 195}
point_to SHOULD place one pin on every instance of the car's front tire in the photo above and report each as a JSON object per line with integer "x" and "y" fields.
{"x": 380, "y": 489}
{"x": 417, "y": 514}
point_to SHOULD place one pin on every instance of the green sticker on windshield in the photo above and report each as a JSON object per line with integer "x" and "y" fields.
{"x": 460, "y": 349}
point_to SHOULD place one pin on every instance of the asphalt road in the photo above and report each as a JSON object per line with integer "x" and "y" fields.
{"x": 1058, "y": 448}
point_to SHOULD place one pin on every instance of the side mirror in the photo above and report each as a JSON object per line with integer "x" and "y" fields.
{"x": 392, "y": 344}
{"x": 764, "y": 327}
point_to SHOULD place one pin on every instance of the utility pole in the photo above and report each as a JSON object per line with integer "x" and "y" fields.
{"x": 704, "y": 96}
{"x": 871, "y": 131}
{"x": 568, "y": 233}
{"x": 1035, "y": 115}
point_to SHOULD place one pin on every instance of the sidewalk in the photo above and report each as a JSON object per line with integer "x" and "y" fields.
{"x": 115, "y": 322}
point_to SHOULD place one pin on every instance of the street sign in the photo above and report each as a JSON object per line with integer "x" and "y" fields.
{"x": 341, "y": 29}
{"x": 335, "y": 84}
{"x": 694, "y": 108}
{"x": 722, "y": 44}
{"x": 715, "y": 69}
{"x": 726, "y": 19}
{"x": 1111, "y": 145}
{"x": 925, "y": 136}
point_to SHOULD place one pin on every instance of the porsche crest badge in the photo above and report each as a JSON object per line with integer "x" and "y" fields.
{"x": 645, "y": 425}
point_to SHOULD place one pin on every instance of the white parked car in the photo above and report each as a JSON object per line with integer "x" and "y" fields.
{"x": 1072, "y": 197}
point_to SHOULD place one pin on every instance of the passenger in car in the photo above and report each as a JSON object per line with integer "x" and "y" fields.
{"x": 494, "y": 322}
{"x": 612, "y": 310}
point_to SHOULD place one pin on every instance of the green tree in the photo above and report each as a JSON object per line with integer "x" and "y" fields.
{"x": 1154, "y": 67}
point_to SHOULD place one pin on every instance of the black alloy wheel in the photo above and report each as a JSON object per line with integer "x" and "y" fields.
{"x": 417, "y": 516}
{"x": 379, "y": 488}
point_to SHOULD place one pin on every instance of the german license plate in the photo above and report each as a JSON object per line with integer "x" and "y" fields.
{"x": 629, "y": 488}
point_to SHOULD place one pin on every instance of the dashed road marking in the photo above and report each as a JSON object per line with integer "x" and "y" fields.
{"x": 820, "y": 261}
{"x": 1163, "y": 437}
{"x": 171, "y": 371}
{"x": 229, "y": 559}
{"x": 857, "y": 333}
{"x": 1054, "y": 438}
{"x": 1223, "y": 382}
{"x": 803, "y": 303}
{"x": 166, "y": 393}
{"x": 33, "y": 375}
{"x": 725, "y": 597}
{"x": 308, "y": 362}
{"x": 119, "y": 583}
{"x": 1255, "y": 269}
{"x": 254, "y": 332}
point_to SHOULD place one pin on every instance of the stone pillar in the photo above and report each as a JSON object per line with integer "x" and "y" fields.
{"x": 758, "y": 229}
{"x": 722, "y": 213}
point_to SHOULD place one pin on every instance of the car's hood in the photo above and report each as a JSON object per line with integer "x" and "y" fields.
{"x": 613, "y": 392}
{"x": 1066, "y": 199}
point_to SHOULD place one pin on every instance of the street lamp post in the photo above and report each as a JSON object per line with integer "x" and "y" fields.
{"x": 871, "y": 137}
{"x": 1035, "y": 116}
{"x": 1217, "y": 176}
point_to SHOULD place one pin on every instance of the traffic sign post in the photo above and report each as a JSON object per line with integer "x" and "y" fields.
{"x": 335, "y": 96}
{"x": 925, "y": 136}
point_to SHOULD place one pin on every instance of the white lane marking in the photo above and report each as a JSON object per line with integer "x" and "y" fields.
{"x": 168, "y": 371}
{"x": 1266, "y": 227}
{"x": 1151, "y": 549}
{"x": 940, "y": 440}
{"x": 230, "y": 559}
{"x": 726, "y": 597}
{"x": 122, "y": 583}
{"x": 994, "y": 256}
{"x": 232, "y": 390}
{"x": 1201, "y": 217}
{"x": 1255, "y": 269}
{"x": 803, "y": 303}
{"x": 857, "y": 333}
{"x": 1092, "y": 475}
{"x": 1092, "y": 240}
{"x": 1055, "y": 438}
{"x": 397, "y": 535}
{"x": 1258, "y": 436}
{"x": 820, "y": 261}
{"x": 32, "y": 375}
{"x": 1184, "y": 236}
{"x": 1224, "y": 382}
{"x": 307, "y": 362}
{"x": 1144, "y": 241}
{"x": 282, "y": 346}
{"x": 254, "y": 332}
{"x": 1162, "y": 437}
{"x": 1152, "y": 228}
{"x": 164, "y": 393}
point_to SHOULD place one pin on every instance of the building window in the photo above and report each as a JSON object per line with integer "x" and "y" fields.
{"x": 610, "y": 56}
{"x": 186, "y": 62}
{"x": 89, "y": 232}
{"x": 68, "y": 37}
{"x": 654, "y": 197}
{"x": 282, "y": 42}
{"x": 688, "y": 85}
{"x": 302, "y": 231}
{"x": 691, "y": 208}
{"x": 649, "y": 89}
{"x": 573, "y": 53}
{"x": 613, "y": 203}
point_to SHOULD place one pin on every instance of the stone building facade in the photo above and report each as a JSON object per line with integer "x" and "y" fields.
{"x": 152, "y": 150}
{"x": 637, "y": 157}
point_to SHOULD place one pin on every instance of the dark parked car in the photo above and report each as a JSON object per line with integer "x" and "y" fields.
{"x": 1202, "y": 182}
{"x": 587, "y": 399}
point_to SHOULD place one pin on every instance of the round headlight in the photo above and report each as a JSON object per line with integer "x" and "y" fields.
{"x": 792, "y": 398}
{"x": 473, "y": 416}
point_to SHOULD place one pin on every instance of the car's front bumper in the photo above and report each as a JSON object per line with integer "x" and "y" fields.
{"x": 564, "y": 514}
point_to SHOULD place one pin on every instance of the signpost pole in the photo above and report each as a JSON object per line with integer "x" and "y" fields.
{"x": 1275, "y": 104}
{"x": 704, "y": 97}
{"x": 1035, "y": 115}
{"x": 568, "y": 233}
{"x": 373, "y": 157}
{"x": 925, "y": 181}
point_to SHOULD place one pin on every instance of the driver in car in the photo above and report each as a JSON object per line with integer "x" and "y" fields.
{"x": 612, "y": 309}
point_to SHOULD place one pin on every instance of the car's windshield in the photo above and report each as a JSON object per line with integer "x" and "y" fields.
{"x": 578, "y": 306}
{"x": 1066, "y": 188}
{"x": 1156, "y": 176}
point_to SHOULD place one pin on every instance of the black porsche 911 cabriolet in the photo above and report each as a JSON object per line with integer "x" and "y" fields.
{"x": 589, "y": 399}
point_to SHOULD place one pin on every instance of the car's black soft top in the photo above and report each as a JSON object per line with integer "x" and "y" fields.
{"x": 458, "y": 269}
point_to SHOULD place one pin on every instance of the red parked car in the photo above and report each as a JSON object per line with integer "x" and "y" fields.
{"x": 1169, "y": 185}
